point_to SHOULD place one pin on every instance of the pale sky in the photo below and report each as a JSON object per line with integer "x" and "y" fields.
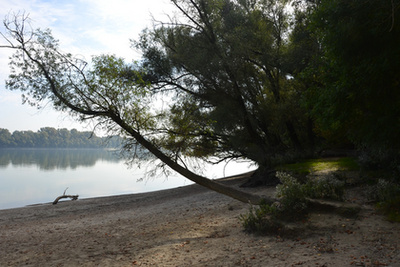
{"x": 85, "y": 28}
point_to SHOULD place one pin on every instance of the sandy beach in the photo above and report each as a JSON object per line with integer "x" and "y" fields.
{"x": 187, "y": 226}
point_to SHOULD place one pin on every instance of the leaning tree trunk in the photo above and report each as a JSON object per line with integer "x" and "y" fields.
{"x": 203, "y": 181}
{"x": 113, "y": 115}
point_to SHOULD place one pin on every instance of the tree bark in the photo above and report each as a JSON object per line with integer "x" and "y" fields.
{"x": 203, "y": 181}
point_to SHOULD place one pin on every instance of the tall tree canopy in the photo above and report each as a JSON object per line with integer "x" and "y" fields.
{"x": 358, "y": 89}
{"x": 226, "y": 63}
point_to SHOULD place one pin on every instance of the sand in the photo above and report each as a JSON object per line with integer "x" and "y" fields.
{"x": 187, "y": 226}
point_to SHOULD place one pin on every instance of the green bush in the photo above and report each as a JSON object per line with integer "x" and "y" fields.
{"x": 325, "y": 187}
{"x": 261, "y": 220}
{"x": 292, "y": 197}
{"x": 292, "y": 205}
{"x": 387, "y": 196}
{"x": 382, "y": 190}
{"x": 391, "y": 209}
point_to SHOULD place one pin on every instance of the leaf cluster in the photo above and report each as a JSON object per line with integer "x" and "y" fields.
{"x": 358, "y": 94}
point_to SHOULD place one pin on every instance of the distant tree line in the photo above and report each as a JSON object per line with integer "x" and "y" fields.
{"x": 49, "y": 137}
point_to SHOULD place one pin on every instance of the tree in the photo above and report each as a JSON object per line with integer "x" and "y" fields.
{"x": 109, "y": 91}
{"x": 23, "y": 138}
{"x": 226, "y": 63}
{"x": 65, "y": 137}
{"x": 358, "y": 93}
{"x": 48, "y": 137}
{"x": 5, "y": 138}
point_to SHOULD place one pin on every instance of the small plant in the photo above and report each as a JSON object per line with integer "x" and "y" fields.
{"x": 292, "y": 205}
{"x": 261, "y": 220}
{"x": 387, "y": 196}
{"x": 391, "y": 209}
{"x": 325, "y": 187}
{"x": 382, "y": 191}
{"x": 292, "y": 197}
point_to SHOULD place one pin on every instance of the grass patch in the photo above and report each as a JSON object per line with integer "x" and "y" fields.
{"x": 313, "y": 165}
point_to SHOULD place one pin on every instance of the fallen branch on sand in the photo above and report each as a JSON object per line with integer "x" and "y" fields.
{"x": 72, "y": 197}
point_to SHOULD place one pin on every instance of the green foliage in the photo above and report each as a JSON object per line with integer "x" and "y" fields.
{"x": 357, "y": 88}
{"x": 48, "y": 137}
{"x": 107, "y": 86}
{"x": 384, "y": 190}
{"x": 261, "y": 220}
{"x": 229, "y": 60}
{"x": 381, "y": 160}
{"x": 391, "y": 209}
{"x": 50, "y": 159}
{"x": 292, "y": 205}
{"x": 328, "y": 164}
{"x": 325, "y": 187}
{"x": 387, "y": 196}
{"x": 190, "y": 131}
{"x": 6, "y": 140}
{"x": 292, "y": 197}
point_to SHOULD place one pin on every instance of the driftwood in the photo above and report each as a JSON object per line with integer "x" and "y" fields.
{"x": 72, "y": 197}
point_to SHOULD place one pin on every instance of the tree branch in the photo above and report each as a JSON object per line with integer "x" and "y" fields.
{"x": 72, "y": 197}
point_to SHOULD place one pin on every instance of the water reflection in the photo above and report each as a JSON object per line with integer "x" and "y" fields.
{"x": 52, "y": 159}
{"x": 30, "y": 176}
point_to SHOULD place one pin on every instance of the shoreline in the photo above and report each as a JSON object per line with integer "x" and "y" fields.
{"x": 186, "y": 226}
{"x": 238, "y": 177}
{"x": 120, "y": 201}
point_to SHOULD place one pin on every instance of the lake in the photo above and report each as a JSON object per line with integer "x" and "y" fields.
{"x": 34, "y": 176}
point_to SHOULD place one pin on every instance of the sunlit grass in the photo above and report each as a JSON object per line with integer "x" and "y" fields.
{"x": 315, "y": 165}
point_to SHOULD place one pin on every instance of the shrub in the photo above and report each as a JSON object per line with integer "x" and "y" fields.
{"x": 387, "y": 160}
{"x": 327, "y": 187}
{"x": 383, "y": 190}
{"x": 387, "y": 196}
{"x": 292, "y": 204}
{"x": 391, "y": 209}
{"x": 292, "y": 197}
{"x": 261, "y": 220}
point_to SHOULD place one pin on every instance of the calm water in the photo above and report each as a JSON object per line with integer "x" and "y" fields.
{"x": 39, "y": 176}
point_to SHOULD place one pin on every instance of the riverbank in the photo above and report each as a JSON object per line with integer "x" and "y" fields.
{"x": 186, "y": 226}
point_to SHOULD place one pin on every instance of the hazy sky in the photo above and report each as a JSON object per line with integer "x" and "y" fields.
{"x": 85, "y": 28}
